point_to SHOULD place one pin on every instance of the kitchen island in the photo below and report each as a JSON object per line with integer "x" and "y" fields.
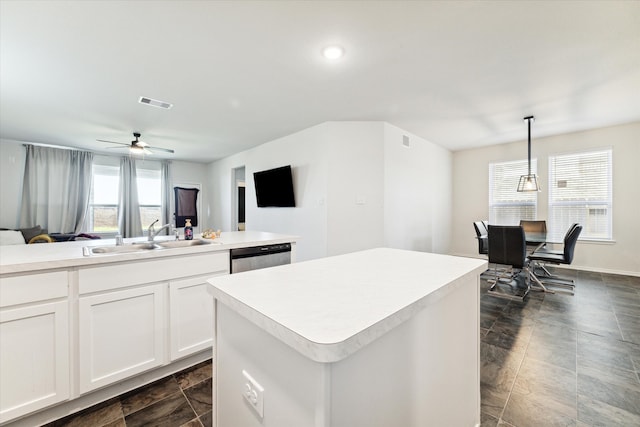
{"x": 78, "y": 327}
{"x": 382, "y": 337}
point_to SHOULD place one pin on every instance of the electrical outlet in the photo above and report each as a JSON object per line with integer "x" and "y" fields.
{"x": 253, "y": 393}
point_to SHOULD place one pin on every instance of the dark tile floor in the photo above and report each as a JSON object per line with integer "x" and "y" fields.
{"x": 551, "y": 360}
{"x": 561, "y": 359}
{"x": 182, "y": 399}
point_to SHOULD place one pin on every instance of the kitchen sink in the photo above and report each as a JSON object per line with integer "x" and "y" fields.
{"x": 183, "y": 243}
{"x": 133, "y": 247}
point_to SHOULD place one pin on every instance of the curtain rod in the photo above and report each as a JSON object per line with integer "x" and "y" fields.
{"x": 62, "y": 147}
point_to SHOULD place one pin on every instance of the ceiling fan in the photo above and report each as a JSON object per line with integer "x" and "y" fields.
{"x": 137, "y": 146}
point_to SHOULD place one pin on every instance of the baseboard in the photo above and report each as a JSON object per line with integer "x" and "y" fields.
{"x": 598, "y": 270}
{"x": 569, "y": 267}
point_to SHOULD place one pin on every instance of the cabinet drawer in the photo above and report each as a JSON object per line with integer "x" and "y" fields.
{"x": 104, "y": 278}
{"x": 33, "y": 287}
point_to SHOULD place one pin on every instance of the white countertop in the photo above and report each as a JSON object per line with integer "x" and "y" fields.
{"x": 44, "y": 256}
{"x": 329, "y": 308}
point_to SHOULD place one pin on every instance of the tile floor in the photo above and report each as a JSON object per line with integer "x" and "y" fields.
{"x": 563, "y": 360}
{"x": 552, "y": 360}
{"x": 182, "y": 399}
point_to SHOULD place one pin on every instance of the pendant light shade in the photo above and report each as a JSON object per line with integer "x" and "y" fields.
{"x": 529, "y": 182}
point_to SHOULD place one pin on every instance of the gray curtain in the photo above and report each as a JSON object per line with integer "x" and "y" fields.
{"x": 165, "y": 181}
{"x": 129, "y": 221}
{"x": 56, "y": 189}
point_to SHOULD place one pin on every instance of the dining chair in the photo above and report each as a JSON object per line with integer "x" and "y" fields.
{"x": 538, "y": 226}
{"x": 481, "y": 235}
{"x": 544, "y": 256}
{"x": 507, "y": 247}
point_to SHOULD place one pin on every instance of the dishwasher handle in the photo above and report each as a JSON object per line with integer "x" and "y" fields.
{"x": 260, "y": 250}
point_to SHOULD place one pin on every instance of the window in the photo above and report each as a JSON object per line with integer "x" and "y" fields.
{"x": 580, "y": 191}
{"x": 103, "y": 205}
{"x": 506, "y": 205}
{"x": 149, "y": 196}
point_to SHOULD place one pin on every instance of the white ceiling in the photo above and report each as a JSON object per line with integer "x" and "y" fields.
{"x": 460, "y": 74}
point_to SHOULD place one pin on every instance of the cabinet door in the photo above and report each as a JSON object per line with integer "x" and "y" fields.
{"x": 34, "y": 358}
{"x": 122, "y": 333}
{"x": 191, "y": 316}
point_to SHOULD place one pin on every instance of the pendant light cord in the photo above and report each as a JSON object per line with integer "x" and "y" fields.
{"x": 528, "y": 119}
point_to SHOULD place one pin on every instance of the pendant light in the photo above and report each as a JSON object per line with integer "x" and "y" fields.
{"x": 529, "y": 182}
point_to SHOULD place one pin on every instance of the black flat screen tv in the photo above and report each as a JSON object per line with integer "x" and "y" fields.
{"x": 274, "y": 188}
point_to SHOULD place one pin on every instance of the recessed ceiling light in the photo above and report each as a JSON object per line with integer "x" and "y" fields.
{"x": 333, "y": 52}
{"x": 155, "y": 102}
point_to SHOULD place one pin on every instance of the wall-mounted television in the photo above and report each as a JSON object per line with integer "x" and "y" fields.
{"x": 274, "y": 188}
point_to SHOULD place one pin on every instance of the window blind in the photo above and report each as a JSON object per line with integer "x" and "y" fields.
{"x": 580, "y": 190}
{"x": 507, "y": 206}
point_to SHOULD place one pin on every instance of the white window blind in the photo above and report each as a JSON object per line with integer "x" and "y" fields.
{"x": 506, "y": 205}
{"x": 580, "y": 190}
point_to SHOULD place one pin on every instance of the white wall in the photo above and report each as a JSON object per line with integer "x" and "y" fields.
{"x": 306, "y": 152}
{"x": 417, "y": 191}
{"x": 12, "y": 156}
{"x": 354, "y": 188}
{"x": 471, "y": 193}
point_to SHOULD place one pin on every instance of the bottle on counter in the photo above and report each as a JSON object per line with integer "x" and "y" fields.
{"x": 188, "y": 230}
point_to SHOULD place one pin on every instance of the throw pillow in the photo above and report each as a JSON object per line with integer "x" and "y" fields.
{"x": 11, "y": 237}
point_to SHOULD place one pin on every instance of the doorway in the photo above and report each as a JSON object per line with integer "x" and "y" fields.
{"x": 238, "y": 199}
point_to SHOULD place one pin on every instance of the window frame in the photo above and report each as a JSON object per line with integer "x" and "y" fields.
{"x": 89, "y": 220}
{"x": 515, "y": 176}
{"x": 112, "y": 163}
{"x": 557, "y": 233}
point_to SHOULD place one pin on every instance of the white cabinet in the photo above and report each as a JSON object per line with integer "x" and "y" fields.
{"x": 134, "y": 316}
{"x": 191, "y": 316}
{"x": 121, "y": 334}
{"x": 34, "y": 343}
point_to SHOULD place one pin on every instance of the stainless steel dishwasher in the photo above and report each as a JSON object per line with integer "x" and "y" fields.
{"x": 255, "y": 257}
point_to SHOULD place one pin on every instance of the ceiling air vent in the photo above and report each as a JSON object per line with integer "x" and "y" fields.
{"x": 155, "y": 102}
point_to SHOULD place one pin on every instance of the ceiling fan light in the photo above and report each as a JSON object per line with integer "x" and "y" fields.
{"x": 138, "y": 149}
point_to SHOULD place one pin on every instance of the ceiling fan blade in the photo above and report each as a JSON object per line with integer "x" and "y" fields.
{"x": 166, "y": 150}
{"x": 112, "y": 142}
{"x": 141, "y": 144}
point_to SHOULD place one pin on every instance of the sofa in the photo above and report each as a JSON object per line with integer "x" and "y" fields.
{"x": 38, "y": 234}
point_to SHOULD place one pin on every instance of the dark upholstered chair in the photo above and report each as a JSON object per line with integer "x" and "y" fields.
{"x": 481, "y": 235}
{"x": 533, "y": 226}
{"x": 507, "y": 247}
{"x": 565, "y": 256}
{"x": 537, "y": 227}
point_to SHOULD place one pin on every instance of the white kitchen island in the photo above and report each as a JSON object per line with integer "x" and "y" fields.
{"x": 382, "y": 337}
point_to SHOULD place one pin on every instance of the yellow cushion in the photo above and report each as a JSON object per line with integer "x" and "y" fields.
{"x": 41, "y": 238}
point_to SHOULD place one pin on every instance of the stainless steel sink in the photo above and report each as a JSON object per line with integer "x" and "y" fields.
{"x": 133, "y": 247}
{"x": 183, "y": 243}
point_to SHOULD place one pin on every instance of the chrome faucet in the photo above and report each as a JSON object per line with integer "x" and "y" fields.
{"x": 151, "y": 231}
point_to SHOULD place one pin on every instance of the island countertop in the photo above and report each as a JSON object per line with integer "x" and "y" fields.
{"x": 44, "y": 256}
{"x": 329, "y": 308}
